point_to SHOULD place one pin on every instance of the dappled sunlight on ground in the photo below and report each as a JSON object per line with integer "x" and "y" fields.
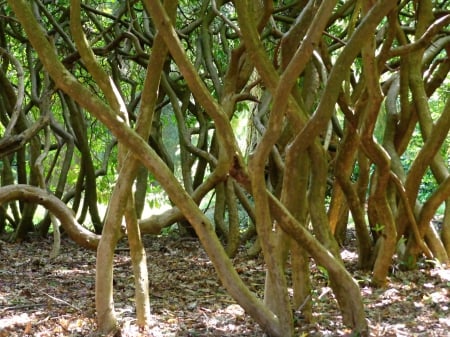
{"x": 44, "y": 297}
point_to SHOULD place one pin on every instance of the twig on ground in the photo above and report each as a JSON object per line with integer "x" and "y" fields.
{"x": 21, "y": 306}
{"x": 61, "y": 301}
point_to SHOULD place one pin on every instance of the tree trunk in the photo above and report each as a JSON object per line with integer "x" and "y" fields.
{"x": 139, "y": 262}
{"x": 445, "y": 231}
{"x": 233, "y": 241}
{"x": 353, "y": 310}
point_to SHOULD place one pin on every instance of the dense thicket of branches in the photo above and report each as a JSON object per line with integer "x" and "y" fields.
{"x": 300, "y": 114}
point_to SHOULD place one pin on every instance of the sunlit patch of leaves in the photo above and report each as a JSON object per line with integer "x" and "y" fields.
{"x": 43, "y": 297}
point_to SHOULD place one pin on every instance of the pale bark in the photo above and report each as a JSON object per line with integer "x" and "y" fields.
{"x": 354, "y": 309}
{"x": 372, "y": 106}
{"x": 33, "y": 194}
{"x": 433, "y": 133}
{"x": 139, "y": 262}
{"x": 326, "y": 106}
{"x": 296, "y": 184}
{"x": 343, "y": 167}
{"x": 219, "y": 210}
{"x": 233, "y": 239}
{"x": 45, "y": 107}
{"x": 106, "y": 319}
{"x": 324, "y": 111}
{"x": 301, "y": 102}
{"x": 148, "y": 157}
{"x": 445, "y": 233}
{"x": 275, "y": 279}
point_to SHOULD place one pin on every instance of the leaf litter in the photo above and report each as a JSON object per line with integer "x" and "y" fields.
{"x": 43, "y": 297}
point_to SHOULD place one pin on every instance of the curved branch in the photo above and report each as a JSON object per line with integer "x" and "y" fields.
{"x": 424, "y": 39}
{"x": 100, "y": 76}
{"x": 34, "y": 194}
{"x": 20, "y": 91}
{"x": 11, "y": 143}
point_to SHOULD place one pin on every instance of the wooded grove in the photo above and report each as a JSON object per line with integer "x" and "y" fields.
{"x": 281, "y": 129}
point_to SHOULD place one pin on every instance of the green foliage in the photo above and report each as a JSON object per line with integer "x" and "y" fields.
{"x": 324, "y": 273}
{"x": 408, "y": 262}
{"x": 122, "y": 37}
{"x": 157, "y": 198}
{"x": 170, "y": 231}
{"x": 428, "y": 183}
{"x": 378, "y": 228}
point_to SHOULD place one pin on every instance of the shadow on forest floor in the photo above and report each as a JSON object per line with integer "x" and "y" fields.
{"x": 43, "y": 297}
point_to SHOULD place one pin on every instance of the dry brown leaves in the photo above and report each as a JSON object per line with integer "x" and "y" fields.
{"x": 44, "y": 297}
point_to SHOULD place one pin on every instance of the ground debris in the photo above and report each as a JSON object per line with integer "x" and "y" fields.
{"x": 40, "y": 296}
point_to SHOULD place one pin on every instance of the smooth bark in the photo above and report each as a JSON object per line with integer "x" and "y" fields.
{"x": 36, "y": 195}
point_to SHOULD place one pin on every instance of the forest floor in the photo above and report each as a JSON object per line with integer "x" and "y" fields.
{"x": 40, "y": 296}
